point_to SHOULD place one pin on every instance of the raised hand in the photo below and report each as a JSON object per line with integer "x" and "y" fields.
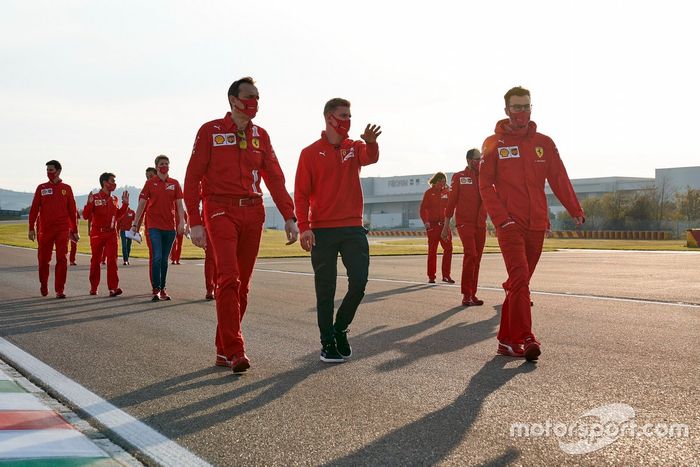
{"x": 371, "y": 133}
{"x": 91, "y": 198}
{"x": 125, "y": 197}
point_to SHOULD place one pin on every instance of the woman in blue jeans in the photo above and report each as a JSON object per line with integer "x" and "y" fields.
{"x": 158, "y": 196}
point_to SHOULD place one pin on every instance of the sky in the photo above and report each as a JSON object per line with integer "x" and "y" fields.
{"x": 107, "y": 86}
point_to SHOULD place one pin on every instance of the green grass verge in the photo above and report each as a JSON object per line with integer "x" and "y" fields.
{"x": 273, "y": 244}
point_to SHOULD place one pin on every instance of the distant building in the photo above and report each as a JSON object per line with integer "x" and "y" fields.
{"x": 393, "y": 202}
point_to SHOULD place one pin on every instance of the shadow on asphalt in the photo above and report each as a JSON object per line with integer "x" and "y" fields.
{"x": 384, "y": 294}
{"x": 444, "y": 429}
{"x": 432, "y": 438}
{"x": 28, "y": 315}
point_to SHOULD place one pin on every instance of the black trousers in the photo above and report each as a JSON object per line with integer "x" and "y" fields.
{"x": 351, "y": 243}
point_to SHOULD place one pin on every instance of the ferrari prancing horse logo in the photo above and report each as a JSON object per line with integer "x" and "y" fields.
{"x": 539, "y": 150}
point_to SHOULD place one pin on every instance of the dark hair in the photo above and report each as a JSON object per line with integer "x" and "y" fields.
{"x": 151, "y": 169}
{"x": 473, "y": 153}
{"x": 105, "y": 177}
{"x": 234, "y": 88}
{"x": 516, "y": 91}
{"x": 55, "y": 163}
{"x": 333, "y": 104}
{"x": 160, "y": 158}
{"x": 437, "y": 177}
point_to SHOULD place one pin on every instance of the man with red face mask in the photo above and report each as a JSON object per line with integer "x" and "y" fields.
{"x": 54, "y": 202}
{"x": 470, "y": 215}
{"x": 230, "y": 157}
{"x": 516, "y": 162}
{"x": 103, "y": 212}
{"x": 329, "y": 203}
{"x": 432, "y": 212}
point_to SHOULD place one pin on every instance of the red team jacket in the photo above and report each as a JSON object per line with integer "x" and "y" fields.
{"x": 512, "y": 173}
{"x": 432, "y": 208}
{"x": 57, "y": 206}
{"x": 127, "y": 220}
{"x": 464, "y": 201}
{"x": 103, "y": 213}
{"x": 217, "y": 144}
{"x": 327, "y": 189}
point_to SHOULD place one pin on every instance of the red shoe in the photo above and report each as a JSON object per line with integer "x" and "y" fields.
{"x": 60, "y": 295}
{"x": 115, "y": 292}
{"x": 240, "y": 364}
{"x": 222, "y": 361}
{"x": 448, "y": 279}
{"x": 163, "y": 295}
{"x": 44, "y": 290}
{"x": 476, "y": 301}
{"x": 209, "y": 296}
{"x": 93, "y": 292}
{"x": 468, "y": 301}
{"x": 510, "y": 350}
{"x": 532, "y": 349}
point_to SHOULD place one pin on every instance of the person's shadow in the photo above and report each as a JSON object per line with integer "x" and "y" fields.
{"x": 432, "y": 438}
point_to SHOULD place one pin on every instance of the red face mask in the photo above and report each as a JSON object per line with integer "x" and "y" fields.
{"x": 163, "y": 169}
{"x": 50, "y": 175}
{"x": 342, "y": 126}
{"x": 251, "y": 107}
{"x": 520, "y": 119}
{"x": 110, "y": 186}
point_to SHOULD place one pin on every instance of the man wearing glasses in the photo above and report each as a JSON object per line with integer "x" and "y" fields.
{"x": 516, "y": 162}
{"x": 464, "y": 202}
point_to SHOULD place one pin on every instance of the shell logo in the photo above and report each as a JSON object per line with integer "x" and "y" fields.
{"x": 219, "y": 139}
{"x": 503, "y": 152}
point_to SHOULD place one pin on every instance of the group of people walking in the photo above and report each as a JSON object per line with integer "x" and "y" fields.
{"x": 222, "y": 210}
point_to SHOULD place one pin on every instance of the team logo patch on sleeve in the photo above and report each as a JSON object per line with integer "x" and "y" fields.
{"x": 224, "y": 139}
{"x": 46, "y": 191}
{"x": 466, "y": 181}
{"x": 508, "y": 152}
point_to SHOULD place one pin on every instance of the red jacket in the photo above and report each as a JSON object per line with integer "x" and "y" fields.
{"x": 227, "y": 165}
{"x": 127, "y": 220}
{"x": 432, "y": 208}
{"x": 55, "y": 203}
{"x": 465, "y": 200}
{"x": 512, "y": 173}
{"x": 327, "y": 189}
{"x": 103, "y": 213}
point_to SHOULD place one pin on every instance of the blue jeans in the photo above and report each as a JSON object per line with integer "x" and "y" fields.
{"x": 126, "y": 245}
{"x": 161, "y": 243}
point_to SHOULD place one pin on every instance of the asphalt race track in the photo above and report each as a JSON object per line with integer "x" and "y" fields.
{"x": 424, "y": 385}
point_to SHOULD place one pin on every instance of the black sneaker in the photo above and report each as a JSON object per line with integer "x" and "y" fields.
{"x": 329, "y": 354}
{"x": 342, "y": 344}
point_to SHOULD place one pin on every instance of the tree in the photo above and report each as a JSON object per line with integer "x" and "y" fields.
{"x": 688, "y": 205}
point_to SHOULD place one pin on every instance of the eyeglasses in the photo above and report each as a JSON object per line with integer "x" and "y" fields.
{"x": 520, "y": 108}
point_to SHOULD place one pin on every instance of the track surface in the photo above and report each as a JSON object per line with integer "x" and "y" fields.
{"x": 424, "y": 385}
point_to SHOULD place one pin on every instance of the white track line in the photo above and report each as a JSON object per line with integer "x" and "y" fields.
{"x": 136, "y": 434}
{"x": 554, "y": 294}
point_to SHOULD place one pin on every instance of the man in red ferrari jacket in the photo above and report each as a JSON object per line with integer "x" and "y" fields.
{"x": 103, "y": 212}
{"x": 465, "y": 204}
{"x": 328, "y": 198}
{"x": 432, "y": 213}
{"x": 231, "y": 155}
{"x": 516, "y": 162}
{"x": 54, "y": 202}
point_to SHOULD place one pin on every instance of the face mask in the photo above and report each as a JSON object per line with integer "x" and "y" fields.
{"x": 51, "y": 176}
{"x": 342, "y": 126}
{"x": 251, "y": 107}
{"x": 163, "y": 169}
{"x": 520, "y": 119}
{"x": 110, "y": 186}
